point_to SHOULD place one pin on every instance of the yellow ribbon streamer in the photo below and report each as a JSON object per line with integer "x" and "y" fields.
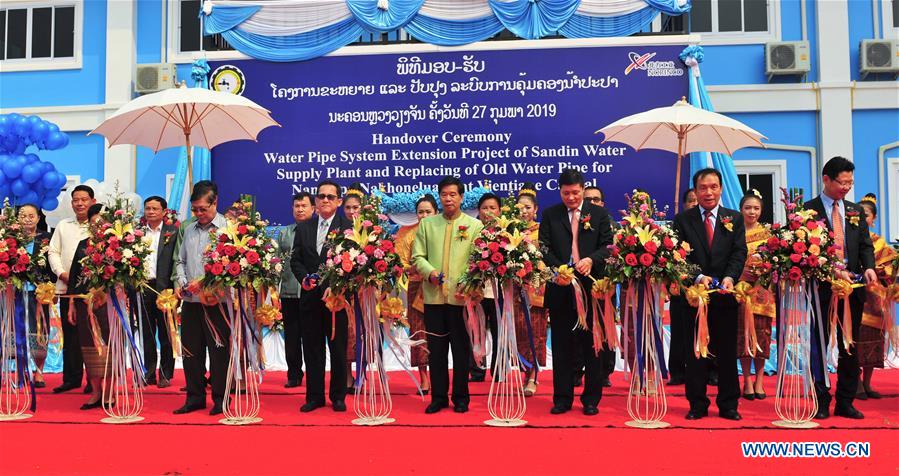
{"x": 745, "y": 292}
{"x": 604, "y": 289}
{"x": 335, "y": 303}
{"x": 167, "y": 302}
{"x": 841, "y": 289}
{"x": 698, "y": 296}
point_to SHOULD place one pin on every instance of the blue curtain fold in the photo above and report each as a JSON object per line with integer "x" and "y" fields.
{"x": 528, "y": 19}
{"x": 226, "y": 18}
{"x": 451, "y": 32}
{"x": 298, "y": 47}
{"x": 532, "y": 19}
{"x": 583, "y": 26}
{"x": 670, "y": 7}
{"x": 397, "y": 14}
{"x": 699, "y": 97}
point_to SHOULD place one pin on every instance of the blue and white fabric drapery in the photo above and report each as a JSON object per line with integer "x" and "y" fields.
{"x": 202, "y": 168}
{"x": 699, "y": 97}
{"x": 296, "y": 30}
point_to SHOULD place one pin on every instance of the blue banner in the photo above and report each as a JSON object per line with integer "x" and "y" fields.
{"x": 403, "y": 121}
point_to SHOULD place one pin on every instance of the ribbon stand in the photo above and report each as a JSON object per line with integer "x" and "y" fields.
{"x": 795, "y": 401}
{"x": 241, "y": 403}
{"x": 15, "y": 389}
{"x": 124, "y": 388}
{"x": 506, "y": 402}
{"x": 372, "y": 402}
{"x": 646, "y": 400}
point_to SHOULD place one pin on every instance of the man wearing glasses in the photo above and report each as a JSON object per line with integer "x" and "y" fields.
{"x": 310, "y": 248}
{"x": 203, "y": 327}
{"x": 854, "y": 247}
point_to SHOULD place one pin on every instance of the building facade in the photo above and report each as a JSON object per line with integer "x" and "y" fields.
{"x": 73, "y": 63}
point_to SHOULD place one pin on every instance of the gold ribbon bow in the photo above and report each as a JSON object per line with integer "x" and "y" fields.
{"x": 604, "y": 289}
{"x": 167, "y": 302}
{"x": 335, "y": 303}
{"x": 745, "y": 292}
{"x": 698, "y": 296}
{"x": 564, "y": 275}
{"x": 267, "y": 315}
{"x": 392, "y": 309}
{"x": 841, "y": 289}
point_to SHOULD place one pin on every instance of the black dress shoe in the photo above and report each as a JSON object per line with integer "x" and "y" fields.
{"x": 676, "y": 380}
{"x": 339, "y": 406}
{"x": 823, "y": 413}
{"x": 730, "y": 415}
{"x": 292, "y": 384}
{"x": 460, "y": 408}
{"x": 848, "y": 411}
{"x": 40, "y": 384}
{"x": 88, "y": 389}
{"x": 560, "y": 409}
{"x": 861, "y": 395}
{"x": 164, "y": 383}
{"x": 65, "y": 387}
{"x": 309, "y": 406}
{"x": 216, "y": 409}
{"x": 435, "y": 407}
{"x": 696, "y": 414}
{"x": 91, "y": 406}
{"x": 189, "y": 407}
{"x": 591, "y": 410}
{"x": 870, "y": 393}
{"x": 761, "y": 396}
{"x": 749, "y": 396}
{"x": 606, "y": 382}
{"x": 150, "y": 379}
{"x": 479, "y": 377}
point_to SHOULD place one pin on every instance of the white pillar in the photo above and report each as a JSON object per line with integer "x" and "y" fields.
{"x": 834, "y": 80}
{"x": 121, "y": 51}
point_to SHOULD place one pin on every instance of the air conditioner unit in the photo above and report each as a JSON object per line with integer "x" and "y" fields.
{"x": 154, "y": 77}
{"x": 879, "y": 56}
{"x": 786, "y": 57}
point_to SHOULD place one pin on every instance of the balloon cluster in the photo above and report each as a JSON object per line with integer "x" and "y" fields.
{"x": 25, "y": 178}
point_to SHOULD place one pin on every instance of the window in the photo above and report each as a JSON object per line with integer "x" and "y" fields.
{"x": 766, "y": 176}
{"x": 34, "y": 34}
{"x": 889, "y": 13}
{"x": 190, "y": 33}
{"x": 735, "y": 21}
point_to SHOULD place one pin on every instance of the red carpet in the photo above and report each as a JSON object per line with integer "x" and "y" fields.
{"x": 60, "y": 439}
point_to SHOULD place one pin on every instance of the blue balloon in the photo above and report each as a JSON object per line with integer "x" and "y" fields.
{"x": 20, "y": 148}
{"x": 20, "y": 188}
{"x": 33, "y": 120}
{"x": 50, "y": 203}
{"x": 31, "y": 173}
{"x": 4, "y": 126}
{"x": 40, "y": 131}
{"x": 46, "y": 167}
{"x": 29, "y": 197}
{"x": 4, "y": 190}
{"x": 52, "y": 127}
{"x": 22, "y": 127}
{"x": 65, "y": 141}
{"x": 60, "y": 181}
{"x": 55, "y": 141}
{"x": 12, "y": 168}
{"x": 49, "y": 180}
{"x": 2, "y": 176}
{"x": 31, "y": 158}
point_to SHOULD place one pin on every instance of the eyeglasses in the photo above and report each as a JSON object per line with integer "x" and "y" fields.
{"x": 326, "y": 196}
{"x": 848, "y": 184}
{"x": 199, "y": 210}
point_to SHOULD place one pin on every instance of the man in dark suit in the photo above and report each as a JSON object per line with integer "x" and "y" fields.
{"x": 310, "y": 249}
{"x": 596, "y": 196}
{"x": 290, "y": 293}
{"x": 577, "y": 232}
{"x": 159, "y": 270}
{"x": 718, "y": 240}
{"x": 854, "y": 247}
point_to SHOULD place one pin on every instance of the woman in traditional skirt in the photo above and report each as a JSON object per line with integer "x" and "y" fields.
{"x": 405, "y": 238}
{"x": 488, "y": 210}
{"x": 38, "y": 330}
{"x": 763, "y": 305}
{"x": 352, "y": 206}
{"x": 527, "y": 203}
{"x": 869, "y": 343}
{"x": 93, "y": 327}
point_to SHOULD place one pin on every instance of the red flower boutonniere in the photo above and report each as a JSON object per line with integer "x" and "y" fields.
{"x": 585, "y": 221}
{"x": 854, "y": 216}
{"x": 463, "y": 232}
{"x": 166, "y": 237}
{"x": 726, "y": 221}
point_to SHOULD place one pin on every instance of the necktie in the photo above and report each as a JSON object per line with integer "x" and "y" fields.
{"x": 322, "y": 234}
{"x": 575, "y": 253}
{"x": 709, "y": 229}
{"x": 838, "y": 235}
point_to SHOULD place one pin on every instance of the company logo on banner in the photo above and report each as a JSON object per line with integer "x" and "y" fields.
{"x": 653, "y": 68}
{"x": 228, "y": 79}
{"x": 400, "y": 122}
